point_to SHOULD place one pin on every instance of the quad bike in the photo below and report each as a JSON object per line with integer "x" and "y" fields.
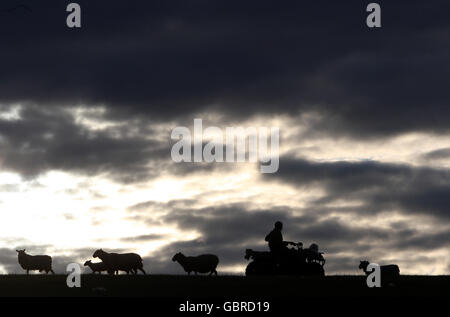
{"x": 293, "y": 261}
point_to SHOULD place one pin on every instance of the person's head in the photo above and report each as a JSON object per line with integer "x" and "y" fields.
{"x": 278, "y": 225}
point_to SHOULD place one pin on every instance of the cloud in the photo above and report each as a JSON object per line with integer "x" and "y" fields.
{"x": 379, "y": 186}
{"x": 142, "y": 238}
{"x": 174, "y": 60}
{"x": 8, "y": 259}
{"x": 426, "y": 242}
{"x": 43, "y": 140}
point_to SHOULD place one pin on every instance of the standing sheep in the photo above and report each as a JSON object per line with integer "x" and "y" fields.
{"x": 35, "y": 262}
{"x": 389, "y": 272}
{"x": 124, "y": 262}
{"x": 198, "y": 264}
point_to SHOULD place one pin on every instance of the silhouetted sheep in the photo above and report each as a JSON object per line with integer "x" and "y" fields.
{"x": 388, "y": 272}
{"x": 198, "y": 264}
{"x": 35, "y": 262}
{"x": 124, "y": 262}
{"x": 97, "y": 267}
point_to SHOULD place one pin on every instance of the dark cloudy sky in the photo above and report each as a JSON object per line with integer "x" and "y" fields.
{"x": 364, "y": 117}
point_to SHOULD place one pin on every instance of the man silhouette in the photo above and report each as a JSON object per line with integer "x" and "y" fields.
{"x": 275, "y": 239}
{"x": 277, "y": 246}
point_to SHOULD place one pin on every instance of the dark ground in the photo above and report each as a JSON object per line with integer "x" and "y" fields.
{"x": 219, "y": 287}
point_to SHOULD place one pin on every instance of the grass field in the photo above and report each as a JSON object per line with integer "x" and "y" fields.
{"x": 221, "y": 286}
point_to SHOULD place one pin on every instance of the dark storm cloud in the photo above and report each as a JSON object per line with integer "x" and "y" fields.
{"x": 44, "y": 140}
{"x": 380, "y": 186}
{"x": 428, "y": 241}
{"x": 169, "y": 59}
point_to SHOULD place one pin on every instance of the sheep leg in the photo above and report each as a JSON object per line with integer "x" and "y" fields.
{"x": 28, "y": 272}
{"x": 141, "y": 269}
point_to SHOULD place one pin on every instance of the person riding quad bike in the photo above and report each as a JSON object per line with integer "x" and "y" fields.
{"x": 278, "y": 247}
{"x": 284, "y": 260}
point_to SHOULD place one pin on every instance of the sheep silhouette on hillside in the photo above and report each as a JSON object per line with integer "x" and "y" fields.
{"x": 35, "y": 262}
{"x": 97, "y": 267}
{"x": 206, "y": 263}
{"x": 128, "y": 262}
{"x": 389, "y": 273}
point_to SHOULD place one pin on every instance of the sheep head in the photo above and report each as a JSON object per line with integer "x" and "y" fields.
{"x": 363, "y": 264}
{"x": 87, "y": 263}
{"x": 177, "y": 256}
{"x": 98, "y": 253}
{"x": 21, "y": 252}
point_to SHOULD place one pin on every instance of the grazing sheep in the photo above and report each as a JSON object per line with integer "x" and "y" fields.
{"x": 35, "y": 262}
{"x": 198, "y": 264}
{"x": 124, "y": 262}
{"x": 388, "y": 272}
{"x": 97, "y": 267}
